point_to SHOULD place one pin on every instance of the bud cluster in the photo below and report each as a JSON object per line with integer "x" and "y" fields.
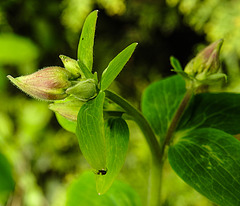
{"x": 67, "y": 87}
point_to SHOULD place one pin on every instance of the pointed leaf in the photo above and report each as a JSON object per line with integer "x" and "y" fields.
{"x": 85, "y": 47}
{"x": 220, "y": 111}
{"x": 90, "y": 132}
{"x": 116, "y": 65}
{"x": 160, "y": 102}
{"x": 82, "y": 192}
{"x": 209, "y": 161}
{"x": 175, "y": 64}
{"x": 116, "y": 138}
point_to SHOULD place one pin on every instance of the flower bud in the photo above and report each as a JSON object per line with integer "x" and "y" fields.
{"x": 72, "y": 66}
{"x": 84, "y": 90}
{"x": 68, "y": 107}
{"x": 206, "y": 62}
{"x": 49, "y": 83}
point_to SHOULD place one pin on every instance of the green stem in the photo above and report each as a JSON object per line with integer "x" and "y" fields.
{"x": 182, "y": 107}
{"x": 139, "y": 119}
{"x": 155, "y": 181}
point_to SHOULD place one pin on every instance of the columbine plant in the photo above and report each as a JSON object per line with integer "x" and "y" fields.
{"x": 193, "y": 129}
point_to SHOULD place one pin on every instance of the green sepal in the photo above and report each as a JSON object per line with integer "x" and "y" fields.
{"x": 66, "y": 123}
{"x": 83, "y": 90}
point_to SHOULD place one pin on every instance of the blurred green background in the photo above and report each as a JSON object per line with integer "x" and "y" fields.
{"x": 44, "y": 158}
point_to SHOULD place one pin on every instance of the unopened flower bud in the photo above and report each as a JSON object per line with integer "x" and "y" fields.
{"x": 72, "y": 66}
{"x": 84, "y": 90}
{"x": 206, "y": 62}
{"x": 49, "y": 83}
{"x": 68, "y": 107}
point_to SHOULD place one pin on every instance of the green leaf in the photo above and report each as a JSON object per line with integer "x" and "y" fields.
{"x": 209, "y": 161}
{"x": 86, "y": 42}
{"x": 220, "y": 111}
{"x": 175, "y": 64}
{"x": 90, "y": 132}
{"x": 116, "y": 138}
{"x": 82, "y": 192}
{"x": 116, "y": 65}
{"x": 66, "y": 124}
{"x": 6, "y": 179}
{"x": 160, "y": 102}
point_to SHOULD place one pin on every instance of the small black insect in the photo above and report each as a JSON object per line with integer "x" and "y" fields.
{"x": 102, "y": 172}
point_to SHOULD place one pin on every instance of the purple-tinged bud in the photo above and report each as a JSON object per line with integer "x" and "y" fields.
{"x": 206, "y": 62}
{"x": 72, "y": 66}
{"x": 48, "y": 84}
{"x": 68, "y": 107}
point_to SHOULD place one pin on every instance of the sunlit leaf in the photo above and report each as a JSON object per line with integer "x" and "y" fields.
{"x": 116, "y": 138}
{"x": 220, "y": 111}
{"x": 160, "y": 102}
{"x": 86, "y": 42}
{"x": 116, "y": 65}
{"x": 90, "y": 132}
{"x": 82, "y": 192}
{"x": 209, "y": 161}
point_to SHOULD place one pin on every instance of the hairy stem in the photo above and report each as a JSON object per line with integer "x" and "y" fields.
{"x": 155, "y": 179}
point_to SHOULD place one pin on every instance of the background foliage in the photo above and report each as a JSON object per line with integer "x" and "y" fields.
{"x": 44, "y": 157}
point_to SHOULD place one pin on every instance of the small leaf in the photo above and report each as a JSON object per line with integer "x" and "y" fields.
{"x": 160, "y": 102}
{"x": 116, "y": 138}
{"x": 82, "y": 192}
{"x": 116, "y": 65}
{"x": 85, "y": 47}
{"x": 66, "y": 124}
{"x": 209, "y": 161}
{"x": 220, "y": 111}
{"x": 90, "y": 132}
{"x": 175, "y": 64}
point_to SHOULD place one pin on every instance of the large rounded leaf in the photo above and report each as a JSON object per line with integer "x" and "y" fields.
{"x": 209, "y": 161}
{"x": 220, "y": 111}
{"x": 160, "y": 102}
